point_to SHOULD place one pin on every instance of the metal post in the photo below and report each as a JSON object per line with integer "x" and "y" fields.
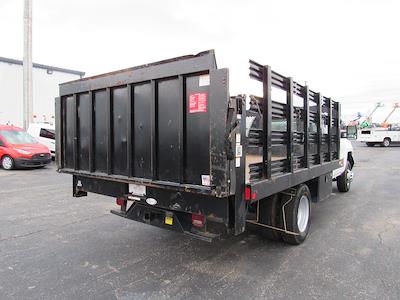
{"x": 91, "y": 131}
{"x": 27, "y": 66}
{"x": 338, "y": 130}
{"x": 75, "y": 112}
{"x": 109, "y": 121}
{"x": 181, "y": 116}
{"x": 154, "y": 129}
{"x": 306, "y": 124}
{"x": 289, "y": 129}
{"x": 329, "y": 103}
{"x": 130, "y": 128}
{"x": 319, "y": 126}
{"x": 267, "y": 121}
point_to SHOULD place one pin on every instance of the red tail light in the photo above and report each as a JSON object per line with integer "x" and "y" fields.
{"x": 198, "y": 220}
{"x": 120, "y": 201}
{"x": 248, "y": 195}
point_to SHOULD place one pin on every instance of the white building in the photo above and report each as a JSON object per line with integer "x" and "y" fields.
{"x": 45, "y": 89}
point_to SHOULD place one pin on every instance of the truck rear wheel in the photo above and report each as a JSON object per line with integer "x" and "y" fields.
{"x": 270, "y": 212}
{"x": 297, "y": 211}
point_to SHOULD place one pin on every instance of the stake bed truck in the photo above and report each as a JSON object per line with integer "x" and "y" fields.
{"x": 177, "y": 151}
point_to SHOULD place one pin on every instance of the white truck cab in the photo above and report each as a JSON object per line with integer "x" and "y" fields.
{"x": 45, "y": 134}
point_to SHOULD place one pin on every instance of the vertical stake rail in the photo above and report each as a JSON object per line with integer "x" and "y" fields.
{"x": 59, "y": 130}
{"x": 129, "y": 130}
{"x": 181, "y": 125}
{"x": 239, "y": 204}
{"x": 338, "y": 129}
{"x": 267, "y": 121}
{"x": 75, "y": 128}
{"x": 319, "y": 126}
{"x": 64, "y": 131}
{"x": 329, "y": 100}
{"x": 109, "y": 111}
{"x": 289, "y": 113}
{"x": 91, "y": 131}
{"x": 306, "y": 125}
{"x": 153, "y": 130}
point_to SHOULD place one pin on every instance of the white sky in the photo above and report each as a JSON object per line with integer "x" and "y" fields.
{"x": 348, "y": 50}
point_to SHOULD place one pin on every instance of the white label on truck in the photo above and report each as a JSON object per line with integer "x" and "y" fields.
{"x": 239, "y": 150}
{"x": 237, "y": 162}
{"x": 204, "y": 80}
{"x": 205, "y": 180}
{"x": 238, "y": 138}
{"x": 137, "y": 189}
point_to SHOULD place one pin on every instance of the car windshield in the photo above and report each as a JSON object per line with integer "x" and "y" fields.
{"x": 17, "y": 137}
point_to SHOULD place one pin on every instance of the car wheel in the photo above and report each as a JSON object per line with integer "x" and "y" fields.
{"x": 386, "y": 142}
{"x": 345, "y": 179}
{"x": 7, "y": 163}
{"x": 297, "y": 213}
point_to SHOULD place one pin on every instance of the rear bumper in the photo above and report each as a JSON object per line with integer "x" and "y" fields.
{"x": 181, "y": 222}
{"x": 31, "y": 163}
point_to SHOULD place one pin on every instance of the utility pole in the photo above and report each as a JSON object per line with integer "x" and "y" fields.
{"x": 27, "y": 65}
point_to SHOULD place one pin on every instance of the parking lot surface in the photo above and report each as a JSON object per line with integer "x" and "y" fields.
{"x": 54, "y": 246}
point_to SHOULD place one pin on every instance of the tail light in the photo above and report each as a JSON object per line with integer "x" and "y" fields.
{"x": 121, "y": 201}
{"x": 198, "y": 220}
{"x": 248, "y": 194}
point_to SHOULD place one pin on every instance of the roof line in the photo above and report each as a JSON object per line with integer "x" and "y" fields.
{"x": 40, "y": 66}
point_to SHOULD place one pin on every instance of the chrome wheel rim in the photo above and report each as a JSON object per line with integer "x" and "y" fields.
{"x": 303, "y": 213}
{"x": 7, "y": 163}
{"x": 386, "y": 143}
{"x": 349, "y": 177}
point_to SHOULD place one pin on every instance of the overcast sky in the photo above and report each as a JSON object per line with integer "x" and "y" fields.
{"x": 348, "y": 50}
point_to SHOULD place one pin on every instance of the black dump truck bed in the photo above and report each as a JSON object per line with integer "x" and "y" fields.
{"x": 170, "y": 132}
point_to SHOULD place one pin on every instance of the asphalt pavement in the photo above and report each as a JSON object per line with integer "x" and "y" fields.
{"x": 54, "y": 246}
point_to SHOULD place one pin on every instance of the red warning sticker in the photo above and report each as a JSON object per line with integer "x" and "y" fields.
{"x": 198, "y": 102}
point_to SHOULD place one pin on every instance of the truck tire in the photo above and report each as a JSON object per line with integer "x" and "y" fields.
{"x": 344, "y": 180}
{"x": 270, "y": 215}
{"x": 369, "y": 144}
{"x": 7, "y": 162}
{"x": 386, "y": 142}
{"x": 297, "y": 215}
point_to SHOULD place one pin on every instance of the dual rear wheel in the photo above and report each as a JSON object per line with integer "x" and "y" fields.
{"x": 290, "y": 212}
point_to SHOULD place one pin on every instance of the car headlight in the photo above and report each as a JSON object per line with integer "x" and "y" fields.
{"x": 22, "y": 151}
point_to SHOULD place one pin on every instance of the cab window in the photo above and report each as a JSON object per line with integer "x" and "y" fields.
{"x": 47, "y": 133}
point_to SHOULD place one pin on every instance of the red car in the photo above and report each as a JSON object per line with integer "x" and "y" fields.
{"x": 20, "y": 150}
